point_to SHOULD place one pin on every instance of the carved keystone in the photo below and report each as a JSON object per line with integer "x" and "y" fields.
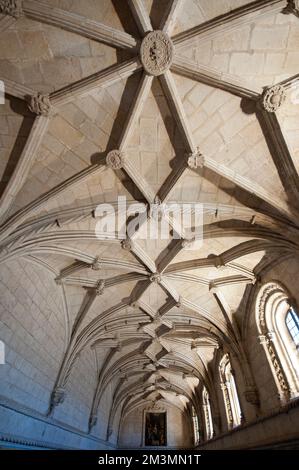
{"x": 156, "y": 52}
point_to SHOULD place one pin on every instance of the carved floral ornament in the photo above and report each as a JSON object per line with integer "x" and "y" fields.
{"x": 195, "y": 160}
{"x": 40, "y": 104}
{"x": 273, "y": 98}
{"x": 156, "y": 53}
{"x": 115, "y": 159}
{"x": 11, "y": 8}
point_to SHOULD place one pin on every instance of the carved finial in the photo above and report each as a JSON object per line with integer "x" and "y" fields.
{"x": 11, "y": 8}
{"x": 96, "y": 265}
{"x": 156, "y": 278}
{"x": 195, "y": 160}
{"x": 100, "y": 287}
{"x": 40, "y": 104}
{"x": 179, "y": 303}
{"x": 273, "y": 98}
{"x": 58, "y": 281}
{"x": 115, "y": 159}
{"x": 126, "y": 244}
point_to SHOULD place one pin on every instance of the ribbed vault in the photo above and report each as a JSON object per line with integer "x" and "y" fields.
{"x": 151, "y": 315}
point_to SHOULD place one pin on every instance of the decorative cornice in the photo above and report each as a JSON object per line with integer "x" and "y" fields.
{"x": 40, "y": 104}
{"x": 11, "y": 7}
{"x": 115, "y": 159}
{"x": 273, "y": 98}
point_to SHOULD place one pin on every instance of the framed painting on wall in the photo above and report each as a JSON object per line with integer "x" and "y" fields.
{"x": 155, "y": 429}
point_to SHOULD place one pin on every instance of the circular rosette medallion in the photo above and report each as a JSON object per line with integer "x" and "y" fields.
{"x": 156, "y": 53}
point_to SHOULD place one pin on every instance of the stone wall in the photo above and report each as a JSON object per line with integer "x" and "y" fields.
{"x": 179, "y": 434}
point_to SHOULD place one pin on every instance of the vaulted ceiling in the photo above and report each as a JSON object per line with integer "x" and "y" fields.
{"x": 189, "y": 114}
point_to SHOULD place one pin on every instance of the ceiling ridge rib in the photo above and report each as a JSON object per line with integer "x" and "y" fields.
{"x": 38, "y": 203}
{"x": 141, "y": 16}
{"x": 24, "y": 164}
{"x": 281, "y": 155}
{"x": 103, "y": 78}
{"x": 229, "y": 22}
{"x": 176, "y": 105}
{"x": 214, "y": 78}
{"x": 6, "y": 22}
{"x": 170, "y": 17}
{"x": 17, "y": 90}
{"x": 78, "y": 24}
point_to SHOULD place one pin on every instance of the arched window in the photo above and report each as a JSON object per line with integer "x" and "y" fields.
{"x": 207, "y": 413}
{"x": 278, "y": 326}
{"x": 230, "y": 394}
{"x": 195, "y": 427}
{"x": 292, "y": 322}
